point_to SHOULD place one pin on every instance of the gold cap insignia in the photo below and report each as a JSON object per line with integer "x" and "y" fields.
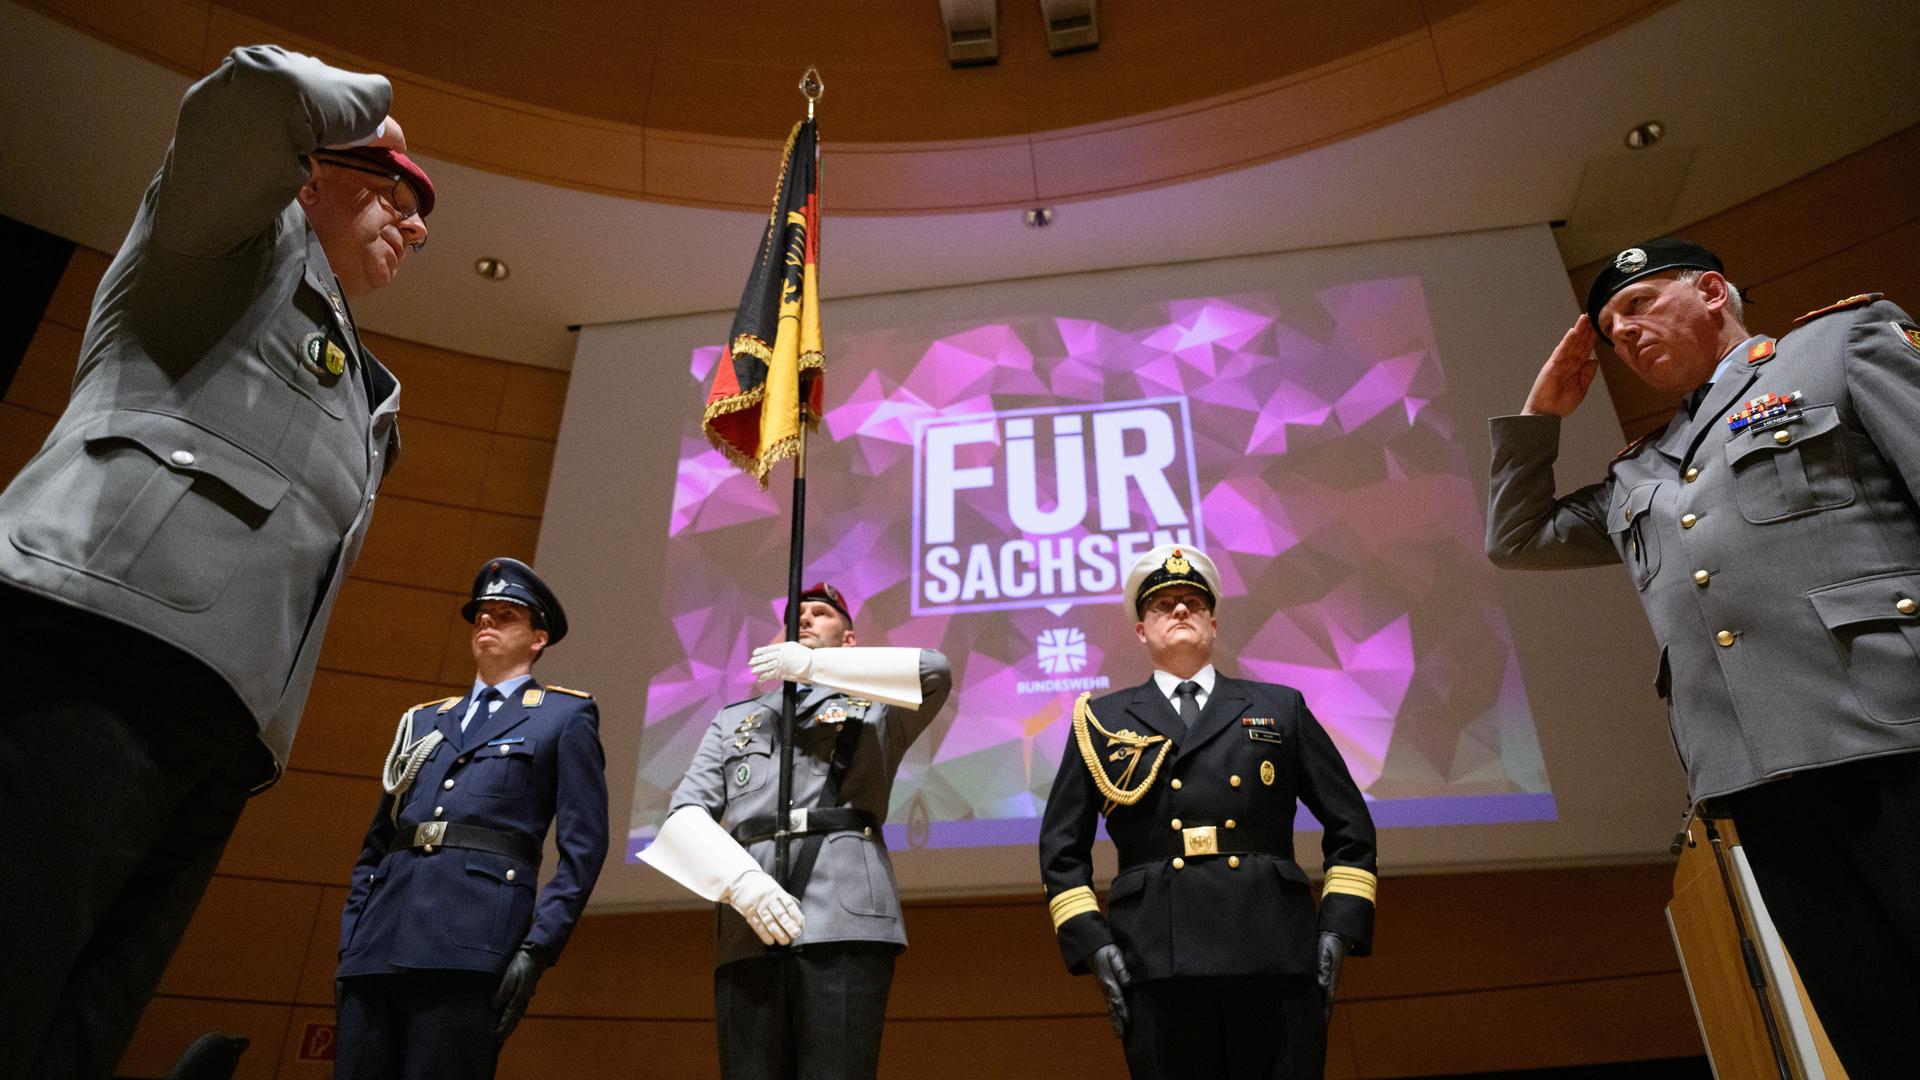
{"x": 1177, "y": 563}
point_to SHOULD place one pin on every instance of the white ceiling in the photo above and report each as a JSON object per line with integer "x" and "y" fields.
{"x": 1753, "y": 95}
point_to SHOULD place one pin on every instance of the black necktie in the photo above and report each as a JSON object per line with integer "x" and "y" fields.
{"x": 1189, "y": 694}
{"x": 1697, "y": 398}
{"x": 485, "y": 708}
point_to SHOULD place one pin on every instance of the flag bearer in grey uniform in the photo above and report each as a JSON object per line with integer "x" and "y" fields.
{"x": 1214, "y": 962}
{"x": 442, "y": 939}
{"x": 169, "y": 559}
{"x": 1772, "y": 533}
{"x": 800, "y": 990}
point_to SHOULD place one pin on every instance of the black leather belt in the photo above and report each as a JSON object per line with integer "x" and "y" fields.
{"x": 831, "y": 819}
{"x": 432, "y": 835}
{"x": 1198, "y": 840}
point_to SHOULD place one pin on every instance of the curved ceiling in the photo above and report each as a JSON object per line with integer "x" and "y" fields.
{"x": 1753, "y": 96}
{"x": 684, "y": 101}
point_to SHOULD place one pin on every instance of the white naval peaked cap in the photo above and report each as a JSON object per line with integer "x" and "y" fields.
{"x": 1166, "y": 565}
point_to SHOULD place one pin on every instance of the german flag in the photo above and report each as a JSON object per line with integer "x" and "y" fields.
{"x": 753, "y": 410}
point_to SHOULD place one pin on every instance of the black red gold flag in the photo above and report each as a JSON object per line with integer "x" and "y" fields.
{"x": 753, "y": 409}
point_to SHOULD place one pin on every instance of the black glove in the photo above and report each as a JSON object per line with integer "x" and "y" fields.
{"x": 1333, "y": 950}
{"x": 516, "y": 987}
{"x": 1110, "y": 970}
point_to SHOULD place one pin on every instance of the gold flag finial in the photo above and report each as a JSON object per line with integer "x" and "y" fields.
{"x": 813, "y": 88}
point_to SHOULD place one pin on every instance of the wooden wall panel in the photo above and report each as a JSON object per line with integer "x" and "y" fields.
{"x": 172, "y": 1023}
{"x": 45, "y": 376}
{"x": 72, "y": 299}
{"x": 308, "y": 828}
{"x": 249, "y": 940}
{"x": 22, "y": 432}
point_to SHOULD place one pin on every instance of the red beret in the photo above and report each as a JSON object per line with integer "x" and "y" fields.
{"x": 393, "y": 161}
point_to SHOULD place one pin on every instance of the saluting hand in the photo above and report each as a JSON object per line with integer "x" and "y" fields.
{"x": 1562, "y": 384}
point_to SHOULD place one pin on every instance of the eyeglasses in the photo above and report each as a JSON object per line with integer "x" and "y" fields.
{"x": 1163, "y": 606}
{"x": 404, "y": 200}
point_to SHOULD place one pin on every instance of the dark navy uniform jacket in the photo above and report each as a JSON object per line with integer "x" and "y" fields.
{"x": 1176, "y": 914}
{"x": 536, "y": 761}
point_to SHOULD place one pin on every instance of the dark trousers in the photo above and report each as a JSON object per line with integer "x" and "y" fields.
{"x": 813, "y": 1014}
{"x": 423, "y": 1025}
{"x": 1226, "y": 1027}
{"x": 124, "y": 765}
{"x": 1836, "y": 852}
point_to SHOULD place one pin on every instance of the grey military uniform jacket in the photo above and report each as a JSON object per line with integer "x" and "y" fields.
{"x": 1779, "y": 564}
{"x": 851, "y": 895}
{"x": 211, "y": 480}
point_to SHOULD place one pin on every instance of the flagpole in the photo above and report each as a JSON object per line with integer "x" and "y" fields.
{"x": 811, "y": 86}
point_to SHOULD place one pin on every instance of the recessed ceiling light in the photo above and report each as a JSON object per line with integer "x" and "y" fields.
{"x": 1646, "y": 134}
{"x": 1040, "y": 217}
{"x": 491, "y": 268}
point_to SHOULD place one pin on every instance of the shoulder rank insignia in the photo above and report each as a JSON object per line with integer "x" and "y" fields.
{"x": 445, "y": 703}
{"x": 1126, "y": 745}
{"x": 1909, "y": 334}
{"x": 1852, "y": 301}
{"x": 569, "y": 690}
{"x": 1633, "y": 447}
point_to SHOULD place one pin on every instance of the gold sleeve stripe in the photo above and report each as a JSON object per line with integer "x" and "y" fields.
{"x": 1351, "y": 880}
{"x": 1072, "y": 903}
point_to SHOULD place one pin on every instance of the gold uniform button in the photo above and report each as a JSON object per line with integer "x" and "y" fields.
{"x": 1905, "y": 606}
{"x": 1724, "y": 637}
{"x": 1176, "y": 824}
{"x": 1687, "y": 520}
{"x": 1701, "y": 577}
{"x": 1176, "y": 785}
{"x": 448, "y": 784}
{"x": 1233, "y": 861}
{"x": 1783, "y": 437}
{"x": 1179, "y": 863}
{"x": 1234, "y": 780}
{"x": 510, "y": 875}
{"x": 1232, "y": 823}
{"x": 1692, "y": 475}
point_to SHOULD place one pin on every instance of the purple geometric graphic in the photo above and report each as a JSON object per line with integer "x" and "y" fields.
{"x": 1311, "y": 454}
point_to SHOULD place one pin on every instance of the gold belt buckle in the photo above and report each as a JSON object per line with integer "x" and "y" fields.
{"x": 429, "y": 834}
{"x": 1200, "y": 840}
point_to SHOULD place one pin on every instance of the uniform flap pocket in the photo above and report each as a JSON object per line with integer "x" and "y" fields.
{"x": 184, "y": 446}
{"x": 499, "y": 868}
{"x": 1887, "y": 597}
{"x": 1814, "y": 420}
{"x": 1630, "y": 504}
{"x": 1127, "y": 884}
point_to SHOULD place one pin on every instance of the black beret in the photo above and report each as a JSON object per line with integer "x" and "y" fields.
{"x": 514, "y": 582}
{"x": 1652, "y": 257}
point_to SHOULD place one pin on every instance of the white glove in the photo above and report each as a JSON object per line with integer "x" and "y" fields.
{"x": 788, "y": 661}
{"x": 695, "y": 851}
{"x": 891, "y": 675}
{"x": 771, "y": 910}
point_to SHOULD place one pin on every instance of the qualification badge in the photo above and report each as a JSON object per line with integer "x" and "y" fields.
{"x": 1266, "y": 773}
{"x": 742, "y": 774}
{"x": 322, "y": 355}
{"x": 1909, "y": 334}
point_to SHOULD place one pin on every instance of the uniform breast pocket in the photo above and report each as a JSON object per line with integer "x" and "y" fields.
{"x": 1631, "y": 527}
{"x": 747, "y": 773}
{"x": 1875, "y": 624}
{"x": 308, "y": 349}
{"x": 501, "y": 769}
{"x": 159, "y": 504}
{"x": 1791, "y": 470}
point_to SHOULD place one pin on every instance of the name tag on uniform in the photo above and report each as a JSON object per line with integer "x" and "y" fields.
{"x": 1261, "y": 728}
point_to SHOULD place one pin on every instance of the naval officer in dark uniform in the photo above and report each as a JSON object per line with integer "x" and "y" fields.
{"x": 815, "y": 1011}
{"x": 1772, "y": 532}
{"x": 1213, "y": 958}
{"x": 442, "y": 939}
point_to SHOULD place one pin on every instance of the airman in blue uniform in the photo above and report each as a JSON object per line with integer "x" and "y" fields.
{"x": 443, "y": 937}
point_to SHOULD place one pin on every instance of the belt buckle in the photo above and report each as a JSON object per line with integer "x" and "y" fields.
{"x": 1200, "y": 840}
{"x": 797, "y": 819}
{"x": 429, "y": 834}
